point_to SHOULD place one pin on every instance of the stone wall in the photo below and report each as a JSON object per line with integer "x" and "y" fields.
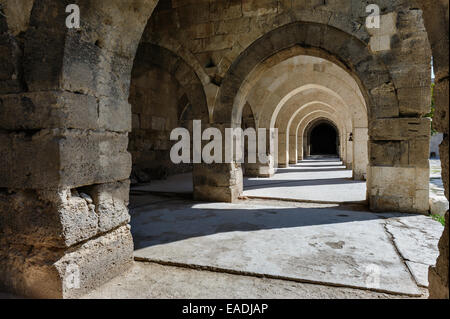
{"x": 436, "y": 15}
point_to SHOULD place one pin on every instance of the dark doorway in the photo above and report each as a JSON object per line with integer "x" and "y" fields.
{"x": 324, "y": 140}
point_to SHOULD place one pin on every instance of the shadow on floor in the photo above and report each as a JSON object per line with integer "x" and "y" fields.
{"x": 176, "y": 220}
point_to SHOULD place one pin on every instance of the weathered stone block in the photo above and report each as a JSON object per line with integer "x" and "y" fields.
{"x": 46, "y": 218}
{"x": 219, "y": 175}
{"x": 208, "y": 193}
{"x": 46, "y": 110}
{"x": 412, "y": 152}
{"x": 389, "y": 153}
{"x": 441, "y": 115}
{"x": 49, "y": 273}
{"x": 397, "y": 129}
{"x": 10, "y": 70}
{"x": 225, "y": 9}
{"x": 403, "y": 189}
{"x": 438, "y": 275}
{"x": 111, "y": 204}
{"x": 259, "y": 7}
{"x": 52, "y": 159}
{"x": 414, "y": 101}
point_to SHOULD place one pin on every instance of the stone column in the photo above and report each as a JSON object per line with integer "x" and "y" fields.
{"x": 360, "y": 153}
{"x": 259, "y": 169}
{"x": 64, "y": 165}
{"x": 299, "y": 146}
{"x": 283, "y": 152}
{"x": 348, "y": 152}
{"x": 293, "y": 149}
{"x": 221, "y": 182}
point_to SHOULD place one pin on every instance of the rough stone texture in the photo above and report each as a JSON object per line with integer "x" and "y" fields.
{"x": 41, "y": 272}
{"x": 58, "y": 158}
{"x": 398, "y": 188}
{"x": 436, "y": 18}
{"x": 438, "y": 275}
{"x": 217, "y": 182}
{"x": 154, "y": 281}
{"x": 64, "y": 123}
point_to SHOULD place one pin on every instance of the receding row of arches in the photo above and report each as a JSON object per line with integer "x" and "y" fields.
{"x": 139, "y": 69}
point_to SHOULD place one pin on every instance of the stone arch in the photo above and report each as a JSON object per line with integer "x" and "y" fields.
{"x": 149, "y": 55}
{"x": 165, "y": 93}
{"x": 284, "y": 81}
{"x": 164, "y": 40}
{"x": 334, "y": 18}
{"x": 291, "y": 40}
{"x": 335, "y": 115}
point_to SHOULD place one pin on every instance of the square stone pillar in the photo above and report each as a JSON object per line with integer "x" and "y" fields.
{"x": 293, "y": 156}
{"x": 360, "y": 153}
{"x": 283, "y": 151}
{"x": 398, "y": 172}
{"x": 222, "y": 182}
{"x": 218, "y": 182}
{"x": 63, "y": 195}
{"x": 259, "y": 169}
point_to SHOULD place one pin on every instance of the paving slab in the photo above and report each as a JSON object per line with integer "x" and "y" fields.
{"x": 320, "y": 244}
{"x": 150, "y": 280}
{"x": 416, "y": 238}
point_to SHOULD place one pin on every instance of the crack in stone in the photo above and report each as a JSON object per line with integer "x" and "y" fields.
{"x": 391, "y": 238}
{"x": 260, "y": 275}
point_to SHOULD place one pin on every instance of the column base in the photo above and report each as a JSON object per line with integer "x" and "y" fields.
{"x": 217, "y": 182}
{"x": 401, "y": 189}
{"x": 42, "y": 272}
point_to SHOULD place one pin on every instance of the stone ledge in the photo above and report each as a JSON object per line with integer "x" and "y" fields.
{"x": 55, "y": 159}
{"x": 63, "y": 110}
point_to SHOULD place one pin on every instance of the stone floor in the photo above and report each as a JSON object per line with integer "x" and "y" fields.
{"x": 151, "y": 280}
{"x": 314, "y": 247}
{"x": 339, "y": 245}
{"x": 325, "y": 180}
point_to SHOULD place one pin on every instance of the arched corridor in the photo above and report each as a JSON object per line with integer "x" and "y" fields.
{"x": 91, "y": 118}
